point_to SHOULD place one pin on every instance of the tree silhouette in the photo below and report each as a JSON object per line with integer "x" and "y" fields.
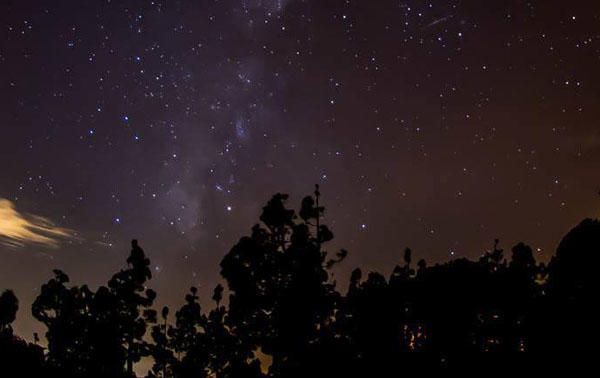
{"x": 133, "y": 305}
{"x": 187, "y": 339}
{"x": 164, "y": 358}
{"x": 97, "y": 334}
{"x": 279, "y": 291}
{"x": 282, "y": 307}
{"x": 569, "y": 310}
{"x": 9, "y": 305}
{"x": 17, "y": 357}
{"x": 66, "y": 312}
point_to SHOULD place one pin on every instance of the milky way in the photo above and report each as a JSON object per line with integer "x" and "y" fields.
{"x": 438, "y": 125}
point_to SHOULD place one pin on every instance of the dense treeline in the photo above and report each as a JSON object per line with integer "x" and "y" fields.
{"x": 284, "y": 316}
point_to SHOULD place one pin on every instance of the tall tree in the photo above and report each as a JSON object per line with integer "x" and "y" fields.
{"x": 98, "y": 334}
{"x": 280, "y": 291}
{"x": 133, "y": 305}
{"x": 66, "y": 312}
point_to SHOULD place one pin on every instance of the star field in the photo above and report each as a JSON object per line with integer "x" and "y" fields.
{"x": 438, "y": 125}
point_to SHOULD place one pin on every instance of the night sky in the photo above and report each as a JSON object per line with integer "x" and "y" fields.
{"x": 437, "y": 125}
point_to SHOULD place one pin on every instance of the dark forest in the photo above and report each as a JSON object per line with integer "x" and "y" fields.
{"x": 281, "y": 315}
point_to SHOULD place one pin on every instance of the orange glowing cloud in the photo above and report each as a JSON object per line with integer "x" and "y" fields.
{"x": 18, "y": 229}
